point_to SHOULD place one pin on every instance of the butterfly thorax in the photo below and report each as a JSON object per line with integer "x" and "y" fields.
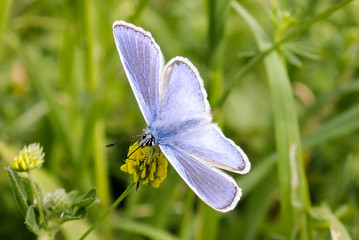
{"x": 163, "y": 131}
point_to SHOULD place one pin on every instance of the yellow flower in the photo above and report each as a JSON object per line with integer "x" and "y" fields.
{"x": 146, "y": 165}
{"x": 30, "y": 157}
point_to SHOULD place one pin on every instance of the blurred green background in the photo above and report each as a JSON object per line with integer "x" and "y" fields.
{"x": 294, "y": 110}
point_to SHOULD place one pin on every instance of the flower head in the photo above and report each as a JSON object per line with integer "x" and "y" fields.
{"x": 30, "y": 157}
{"x": 57, "y": 202}
{"x": 146, "y": 165}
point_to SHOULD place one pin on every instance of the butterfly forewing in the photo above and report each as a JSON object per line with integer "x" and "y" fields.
{"x": 143, "y": 62}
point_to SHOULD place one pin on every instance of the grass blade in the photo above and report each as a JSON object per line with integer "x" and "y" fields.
{"x": 294, "y": 194}
{"x": 209, "y": 219}
{"x": 5, "y": 7}
{"x": 336, "y": 228}
{"x": 141, "y": 229}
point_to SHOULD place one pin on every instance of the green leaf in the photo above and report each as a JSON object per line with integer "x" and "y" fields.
{"x": 292, "y": 58}
{"x": 336, "y": 228}
{"x": 67, "y": 218}
{"x": 21, "y": 192}
{"x": 79, "y": 205}
{"x": 31, "y": 221}
{"x": 85, "y": 200}
{"x": 302, "y": 49}
{"x": 91, "y": 194}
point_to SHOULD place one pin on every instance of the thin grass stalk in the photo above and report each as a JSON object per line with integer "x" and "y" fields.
{"x": 101, "y": 166}
{"x": 5, "y": 8}
{"x": 109, "y": 210}
{"x": 82, "y": 82}
{"x": 70, "y": 72}
{"x": 294, "y": 195}
{"x": 186, "y": 227}
{"x": 96, "y": 148}
{"x": 66, "y": 53}
{"x": 164, "y": 202}
{"x": 257, "y": 206}
{"x": 347, "y": 122}
{"x": 68, "y": 85}
{"x": 95, "y": 132}
{"x": 209, "y": 219}
{"x": 208, "y": 223}
{"x": 86, "y": 28}
{"x": 216, "y": 27}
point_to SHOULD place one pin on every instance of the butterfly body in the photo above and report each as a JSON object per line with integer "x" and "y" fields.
{"x": 174, "y": 103}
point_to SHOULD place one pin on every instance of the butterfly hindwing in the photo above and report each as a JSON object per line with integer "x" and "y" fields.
{"x": 182, "y": 94}
{"x": 183, "y": 98}
{"x": 214, "y": 187}
{"x": 207, "y": 143}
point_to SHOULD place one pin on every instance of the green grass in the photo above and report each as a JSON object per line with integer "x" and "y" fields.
{"x": 282, "y": 79}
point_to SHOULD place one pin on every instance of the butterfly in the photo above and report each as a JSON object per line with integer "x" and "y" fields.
{"x": 174, "y": 104}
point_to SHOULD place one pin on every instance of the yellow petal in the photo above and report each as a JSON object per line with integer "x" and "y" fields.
{"x": 143, "y": 174}
{"x": 132, "y": 167}
{"x": 23, "y": 165}
{"x": 124, "y": 168}
{"x": 155, "y": 183}
{"x": 135, "y": 177}
{"x": 151, "y": 176}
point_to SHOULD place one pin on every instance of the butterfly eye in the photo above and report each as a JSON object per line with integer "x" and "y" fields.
{"x": 149, "y": 143}
{"x": 147, "y": 140}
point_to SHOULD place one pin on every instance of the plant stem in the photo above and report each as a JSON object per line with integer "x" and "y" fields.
{"x": 113, "y": 206}
{"x": 36, "y": 193}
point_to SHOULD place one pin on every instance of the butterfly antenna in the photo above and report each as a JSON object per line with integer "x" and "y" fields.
{"x": 133, "y": 152}
{"x": 122, "y": 140}
{"x": 138, "y": 184}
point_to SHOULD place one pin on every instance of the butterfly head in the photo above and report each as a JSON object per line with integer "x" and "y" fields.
{"x": 148, "y": 139}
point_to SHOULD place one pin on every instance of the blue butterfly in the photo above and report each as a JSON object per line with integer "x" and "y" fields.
{"x": 174, "y": 103}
